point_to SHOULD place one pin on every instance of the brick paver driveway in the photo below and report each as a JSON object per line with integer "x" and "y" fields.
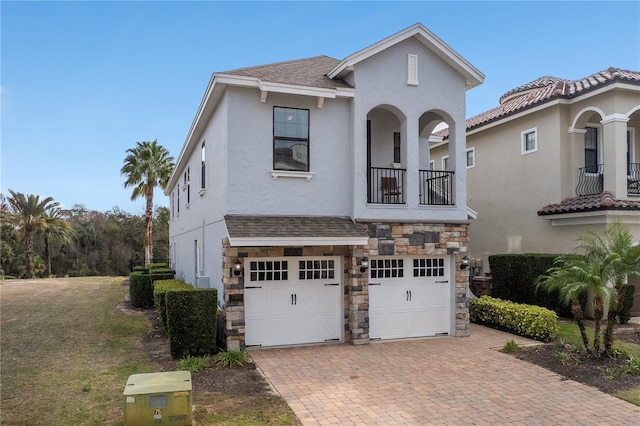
{"x": 452, "y": 381}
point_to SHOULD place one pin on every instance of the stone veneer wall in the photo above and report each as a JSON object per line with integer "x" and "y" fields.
{"x": 384, "y": 239}
{"x": 388, "y": 239}
{"x": 234, "y": 285}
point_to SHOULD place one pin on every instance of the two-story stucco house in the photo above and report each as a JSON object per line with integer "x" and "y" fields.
{"x": 556, "y": 159}
{"x": 303, "y": 194}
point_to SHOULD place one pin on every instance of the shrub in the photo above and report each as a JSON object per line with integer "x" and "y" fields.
{"x": 157, "y": 265}
{"x": 514, "y": 279}
{"x": 526, "y": 320}
{"x": 511, "y": 346}
{"x": 141, "y": 285}
{"x": 193, "y": 364}
{"x": 191, "y": 321}
{"x": 160, "y": 288}
{"x": 624, "y": 314}
{"x": 232, "y": 358}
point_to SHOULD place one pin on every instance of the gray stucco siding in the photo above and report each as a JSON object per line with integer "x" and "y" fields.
{"x": 251, "y": 158}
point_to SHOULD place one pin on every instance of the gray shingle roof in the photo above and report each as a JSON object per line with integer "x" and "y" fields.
{"x": 604, "y": 201}
{"x": 240, "y": 226}
{"x": 302, "y": 72}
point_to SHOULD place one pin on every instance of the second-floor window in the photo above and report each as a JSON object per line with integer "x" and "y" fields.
{"x": 529, "y": 141}
{"x": 396, "y": 147}
{"x": 291, "y": 139}
{"x": 591, "y": 150}
{"x": 471, "y": 157}
{"x": 202, "y": 158}
{"x": 445, "y": 163}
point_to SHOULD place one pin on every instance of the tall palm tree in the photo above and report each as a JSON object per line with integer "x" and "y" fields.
{"x": 29, "y": 216}
{"x": 146, "y": 166}
{"x": 55, "y": 227}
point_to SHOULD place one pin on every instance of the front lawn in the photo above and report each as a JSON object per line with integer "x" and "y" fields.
{"x": 70, "y": 344}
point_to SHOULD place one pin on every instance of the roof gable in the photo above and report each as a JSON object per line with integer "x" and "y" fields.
{"x": 472, "y": 75}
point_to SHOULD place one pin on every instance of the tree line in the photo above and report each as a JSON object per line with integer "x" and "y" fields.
{"x": 40, "y": 239}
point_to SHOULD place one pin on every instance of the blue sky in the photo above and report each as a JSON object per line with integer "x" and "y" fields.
{"x": 81, "y": 82}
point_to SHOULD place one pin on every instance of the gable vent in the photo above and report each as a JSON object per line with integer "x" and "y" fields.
{"x": 412, "y": 69}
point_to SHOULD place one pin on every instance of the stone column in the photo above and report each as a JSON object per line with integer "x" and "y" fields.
{"x": 358, "y": 297}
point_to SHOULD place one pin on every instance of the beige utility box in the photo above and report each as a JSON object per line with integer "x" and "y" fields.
{"x": 158, "y": 399}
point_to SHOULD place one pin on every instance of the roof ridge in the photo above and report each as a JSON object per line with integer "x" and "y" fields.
{"x": 291, "y": 61}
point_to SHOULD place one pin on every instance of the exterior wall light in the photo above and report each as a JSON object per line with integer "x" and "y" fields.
{"x": 237, "y": 268}
{"x": 364, "y": 265}
{"x": 464, "y": 263}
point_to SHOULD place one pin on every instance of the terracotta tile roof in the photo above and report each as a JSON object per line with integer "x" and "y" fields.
{"x": 302, "y": 72}
{"x": 546, "y": 89}
{"x": 240, "y": 226}
{"x": 604, "y": 201}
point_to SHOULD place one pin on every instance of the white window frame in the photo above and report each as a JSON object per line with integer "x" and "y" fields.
{"x": 443, "y": 162}
{"x": 432, "y": 164}
{"x": 473, "y": 157}
{"x": 523, "y": 141}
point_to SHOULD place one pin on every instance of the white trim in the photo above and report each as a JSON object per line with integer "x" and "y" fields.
{"x": 621, "y": 118}
{"x": 523, "y": 141}
{"x": 473, "y": 77}
{"x": 473, "y": 150}
{"x": 471, "y": 213}
{"x": 432, "y": 164}
{"x": 275, "y": 174}
{"x": 296, "y": 241}
{"x": 600, "y": 217}
{"x": 442, "y": 163}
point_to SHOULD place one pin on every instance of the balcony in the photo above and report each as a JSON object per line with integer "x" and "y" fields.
{"x": 590, "y": 180}
{"x": 387, "y": 186}
{"x": 436, "y": 188}
{"x": 633, "y": 179}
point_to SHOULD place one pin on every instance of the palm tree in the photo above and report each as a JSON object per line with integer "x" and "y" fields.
{"x": 146, "y": 166}
{"x": 55, "y": 227}
{"x": 575, "y": 275}
{"x": 29, "y": 216}
{"x": 617, "y": 244}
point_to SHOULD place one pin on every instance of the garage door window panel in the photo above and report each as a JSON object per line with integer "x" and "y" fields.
{"x": 316, "y": 269}
{"x": 387, "y": 268}
{"x": 428, "y": 267}
{"x": 269, "y": 271}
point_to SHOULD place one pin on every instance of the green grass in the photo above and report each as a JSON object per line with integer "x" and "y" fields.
{"x": 67, "y": 351}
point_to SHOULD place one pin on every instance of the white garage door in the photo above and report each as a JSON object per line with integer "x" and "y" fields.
{"x": 292, "y": 300}
{"x": 409, "y": 297}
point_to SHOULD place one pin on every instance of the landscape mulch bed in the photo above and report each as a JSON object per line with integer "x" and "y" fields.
{"x": 602, "y": 373}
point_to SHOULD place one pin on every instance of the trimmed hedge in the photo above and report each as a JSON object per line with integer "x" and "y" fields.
{"x": 191, "y": 321}
{"x": 141, "y": 285}
{"x": 160, "y": 288}
{"x": 514, "y": 279}
{"x": 526, "y": 320}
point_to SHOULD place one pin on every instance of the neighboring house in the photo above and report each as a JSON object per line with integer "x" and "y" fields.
{"x": 303, "y": 194}
{"x": 556, "y": 159}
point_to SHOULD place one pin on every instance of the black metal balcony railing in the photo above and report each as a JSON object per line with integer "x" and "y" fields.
{"x": 386, "y": 186}
{"x": 633, "y": 178}
{"x": 436, "y": 188}
{"x": 589, "y": 180}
